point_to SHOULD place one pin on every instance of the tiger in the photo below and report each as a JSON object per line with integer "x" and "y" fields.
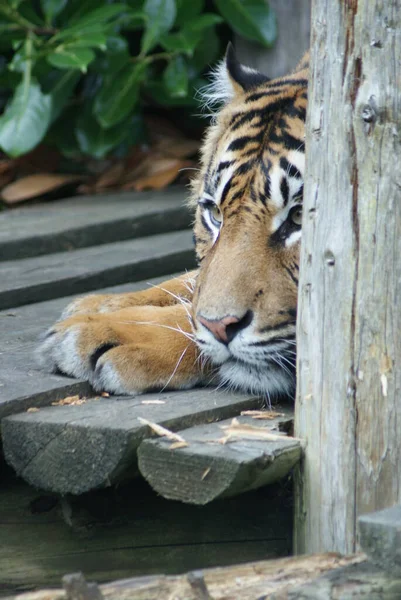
{"x": 231, "y": 322}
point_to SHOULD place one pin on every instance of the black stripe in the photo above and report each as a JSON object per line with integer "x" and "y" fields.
{"x": 206, "y": 224}
{"x": 285, "y": 190}
{"x": 291, "y": 274}
{"x": 225, "y": 191}
{"x": 225, "y": 164}
{"x": 241, "y": 142}
{"x": 289, "y": 168}
{"x": 275, "y": 327}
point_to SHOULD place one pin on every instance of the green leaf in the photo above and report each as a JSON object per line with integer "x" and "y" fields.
{"x": 71, "y": 57}
{"x": 119, "y": 95}
{"x": 93, "y": 139}
{"x": 51, "y": 8}
{"x": 175, "y": 77}
{"x": 203, "y": 22}
{"x": 158, "y": 92}
{"x": 206, "y": 52}
{"x": 115, "y": 56}
{"x": 95, "y": 21}
{"x": 90, "y": 40}
{"x": 60, "y": 85}
{"x": 188, "y": 10}
{"x": 179, "y": 42}
{"x": 160, "y": 18}
{"x": 26, "y": 119}
{"x": 100, "y": 15}
{"x": 191, "y": 35}
{"x": 253, "y": 19}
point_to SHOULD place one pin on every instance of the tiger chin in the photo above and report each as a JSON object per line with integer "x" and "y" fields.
{"x": 232, "y": 322}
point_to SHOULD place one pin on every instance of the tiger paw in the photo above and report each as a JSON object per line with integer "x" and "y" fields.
{"x": 125, "y": 352}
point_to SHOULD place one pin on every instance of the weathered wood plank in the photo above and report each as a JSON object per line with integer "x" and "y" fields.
{"x": 349, "y": 318}
{"x": 128, "y": 531}
{"x": 73, "y": 449}
{"x": 22, "y": 383}
{"x": 208, "y": 469}
{"x": 90, "y": 220}
{"x": 271, "y": 579}
{"x": 45, "y": 277}
{"x": 355, "y": 582}
{"x": 380, "y": 537}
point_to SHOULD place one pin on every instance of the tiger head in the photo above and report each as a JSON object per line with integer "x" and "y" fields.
{"x": 247, "y": 228}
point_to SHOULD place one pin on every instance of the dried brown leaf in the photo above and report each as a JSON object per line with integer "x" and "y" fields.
{"x": 35, "y": 185}
{"x": 33, "y": 409}
{"x": 177, "y": 445}
{"x": 177, "y": 148}
{"x": 161, "y": 178}
{"x": 162, "y": 431}
{"x": 261, "y": 414}
{"x": 70, "y": 401}
{"x": 153, "y": 402}
{"x": 205, "y": 473}
{"x": 110, "y": 177}
{"x": 240, "y": 430}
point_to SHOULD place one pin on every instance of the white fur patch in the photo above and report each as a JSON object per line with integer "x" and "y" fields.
{"x": 219, "y": 91}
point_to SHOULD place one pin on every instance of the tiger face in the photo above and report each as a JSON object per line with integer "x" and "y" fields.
{"x": 248, "y": 228}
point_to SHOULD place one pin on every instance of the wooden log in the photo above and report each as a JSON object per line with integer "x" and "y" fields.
{"x": 76, "y": 448}
{"x": 293, "y": 33}
{"x": 22, "y": 384}
{"x": 214, "y": 465}
{"x": 349, "y": 353}
{"x": 45, "y": 277}
{"x": 282, "y": 579}
{"x": 380, "y": 537}
{"x": 129, "y": 531}
{"x": 89, "y": 220}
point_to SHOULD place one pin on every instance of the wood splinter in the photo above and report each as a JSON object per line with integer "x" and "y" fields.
{"x": 198, "y": 585}
{"x": 77, "y": 588}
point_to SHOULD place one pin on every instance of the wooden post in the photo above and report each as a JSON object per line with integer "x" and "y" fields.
{"x": 349, "y": 324}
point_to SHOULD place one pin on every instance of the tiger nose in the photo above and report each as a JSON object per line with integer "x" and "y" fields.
{"x": 225, "y": 329}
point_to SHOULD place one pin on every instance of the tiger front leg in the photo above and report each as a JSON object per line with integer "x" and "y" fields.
{"x": 126, "y": 352}
{"x": 166, "y": 293}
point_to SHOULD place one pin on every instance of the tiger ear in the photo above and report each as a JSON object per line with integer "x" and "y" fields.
{"x": 242, "y": 78}
{"x": 229, "y": 79}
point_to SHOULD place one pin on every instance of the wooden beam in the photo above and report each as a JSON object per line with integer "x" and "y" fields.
{"x": 45, "y": 277}
{"x": 76, "y": 448}
{"x": 348, "y": 405}
{"x": 214, "y": 465}
{"x": 82, "y": 221}
{"x": 312, "y": 577}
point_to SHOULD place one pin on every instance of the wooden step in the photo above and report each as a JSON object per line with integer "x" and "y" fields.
{"x": 73, "y": 449}
{"x": 22, "y": 383}
{"x": 45, "y": 277}
{"x": 221, "y": 459}
{"x": 90, "y": 220}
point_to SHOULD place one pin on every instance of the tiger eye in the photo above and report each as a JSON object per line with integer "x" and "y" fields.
{"x": 296, "y": 216}
{"x": 216, "y": 215}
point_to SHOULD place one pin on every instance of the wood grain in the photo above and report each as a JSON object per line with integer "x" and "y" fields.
{"x": 349, "y": 320}
{"x": 207, "y": 469}
{"x": 89, "y": 220}
{"x": 73, "y": 449}
{"x": 64, "y": 273}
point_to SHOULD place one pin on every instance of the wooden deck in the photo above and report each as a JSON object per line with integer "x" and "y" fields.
{"x": 74, "y": 458}
{"x": 54, "y": 251}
